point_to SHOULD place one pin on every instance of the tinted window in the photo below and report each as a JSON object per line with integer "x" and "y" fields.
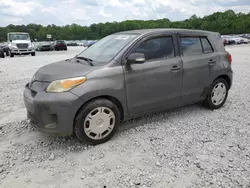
{"x": 157, "y": 48}
{"x": 191, "y": 46}
{"x": 60, "y": 42}
{"x": 19, "y": 36}
{"x": 207, "y": 48}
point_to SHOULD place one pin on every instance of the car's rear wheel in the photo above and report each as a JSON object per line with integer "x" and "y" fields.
{"x": 97, "y": 122}
{"x": 217, "y": 94}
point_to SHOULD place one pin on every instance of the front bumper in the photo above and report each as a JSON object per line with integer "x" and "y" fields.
{"x": 51, "y": 112}
{"x": 22, "y": 51}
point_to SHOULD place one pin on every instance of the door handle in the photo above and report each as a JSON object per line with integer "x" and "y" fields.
{"x": 175, "y": 68}
{"x": 211, "y": 62}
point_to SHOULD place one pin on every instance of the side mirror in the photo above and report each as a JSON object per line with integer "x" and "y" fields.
{"x": 136, "y": 58}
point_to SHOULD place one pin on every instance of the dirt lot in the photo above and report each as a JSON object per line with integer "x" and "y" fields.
{"x": 185, "y": 147}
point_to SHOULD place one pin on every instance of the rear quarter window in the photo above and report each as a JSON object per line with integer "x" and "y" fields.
{"x": 207, "y": 48}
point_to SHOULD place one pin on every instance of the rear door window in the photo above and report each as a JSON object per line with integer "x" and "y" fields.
{"x": 191, "y": 46}
{"x": 60, "y": 42}
{"x": 207, "y": 48}
{"x": 156, "y": 48}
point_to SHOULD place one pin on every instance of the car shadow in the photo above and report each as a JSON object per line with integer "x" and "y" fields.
{"x": 161, "y": 116}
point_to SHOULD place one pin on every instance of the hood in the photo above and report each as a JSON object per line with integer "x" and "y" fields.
{"x": 235, "y": 38}
{"x": 63, "y": 69}
{"x": 45, "y": 44}
{"x": 21, "y": 41}
{"x": 3, "y": 45}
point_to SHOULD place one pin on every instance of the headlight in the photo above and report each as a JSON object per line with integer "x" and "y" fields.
{"x": 31, "y": 45}
{"x": 12, "y": 45}
{"x": 59, "y": 86}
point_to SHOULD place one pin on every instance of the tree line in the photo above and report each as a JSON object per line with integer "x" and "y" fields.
{"x": 227, "y": 22}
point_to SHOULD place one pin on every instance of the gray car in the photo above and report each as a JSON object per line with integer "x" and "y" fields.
{"x": 126, "y": 75}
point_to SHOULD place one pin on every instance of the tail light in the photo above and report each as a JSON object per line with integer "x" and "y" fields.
{"x": 229, "y": 57}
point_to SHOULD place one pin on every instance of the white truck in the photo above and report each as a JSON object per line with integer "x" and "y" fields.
{"x": 19, "y": 43}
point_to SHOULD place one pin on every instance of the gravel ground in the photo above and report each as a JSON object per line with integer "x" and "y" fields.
{"x": 185, "y": 147}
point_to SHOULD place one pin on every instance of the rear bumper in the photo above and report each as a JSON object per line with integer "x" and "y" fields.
{"x": 45, "y": 48}
{"x": 60, "y": 47}
{"x": 231, "y": 79}
{"x": 51, "y": 113}
{"x": 231, "y": 42}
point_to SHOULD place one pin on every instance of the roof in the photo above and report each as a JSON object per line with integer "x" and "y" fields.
{"x": 17, "y": 33}
{"x": 148, "y": 31}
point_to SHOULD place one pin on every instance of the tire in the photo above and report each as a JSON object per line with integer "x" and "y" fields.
{"x": 82, "y": 123}
{"x": 2, "y": 54}
{"x": 33, "y": 53}
{"x": 11, "y": 54}
{"x": 216, "y": 104}
{"x": 7, "y": 53}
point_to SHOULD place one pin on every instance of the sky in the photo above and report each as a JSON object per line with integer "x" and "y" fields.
{"x": 86, "y": 12}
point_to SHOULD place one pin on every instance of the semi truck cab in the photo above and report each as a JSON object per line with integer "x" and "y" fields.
{"x": 20, "y": 44}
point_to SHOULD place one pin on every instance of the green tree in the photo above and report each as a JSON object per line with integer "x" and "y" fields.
{"x": 227, "y": 22}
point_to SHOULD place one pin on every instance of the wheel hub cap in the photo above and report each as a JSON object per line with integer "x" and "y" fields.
{"x": 219, "y": 93}
{"x": 99, "y": 123}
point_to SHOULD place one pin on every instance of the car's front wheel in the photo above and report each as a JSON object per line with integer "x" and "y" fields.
{"x": 217, "y": 94}
{"x": 97, "y": 122}
{"x": 11, "y": 54}
{"x": 2, "y": 54}
{"x": 7, "y": 53}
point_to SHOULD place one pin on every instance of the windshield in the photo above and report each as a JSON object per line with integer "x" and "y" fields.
{"x": 19, "y": 36}
{"x": 107, "y": 48}
{"x": 60, "y": 42}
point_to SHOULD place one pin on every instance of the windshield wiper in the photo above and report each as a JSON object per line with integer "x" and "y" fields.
{"x": 86, "y": 59}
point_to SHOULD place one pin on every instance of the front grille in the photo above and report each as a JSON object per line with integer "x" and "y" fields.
{"x": 33, "y": 119}
{"x": 22, "y": 45}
